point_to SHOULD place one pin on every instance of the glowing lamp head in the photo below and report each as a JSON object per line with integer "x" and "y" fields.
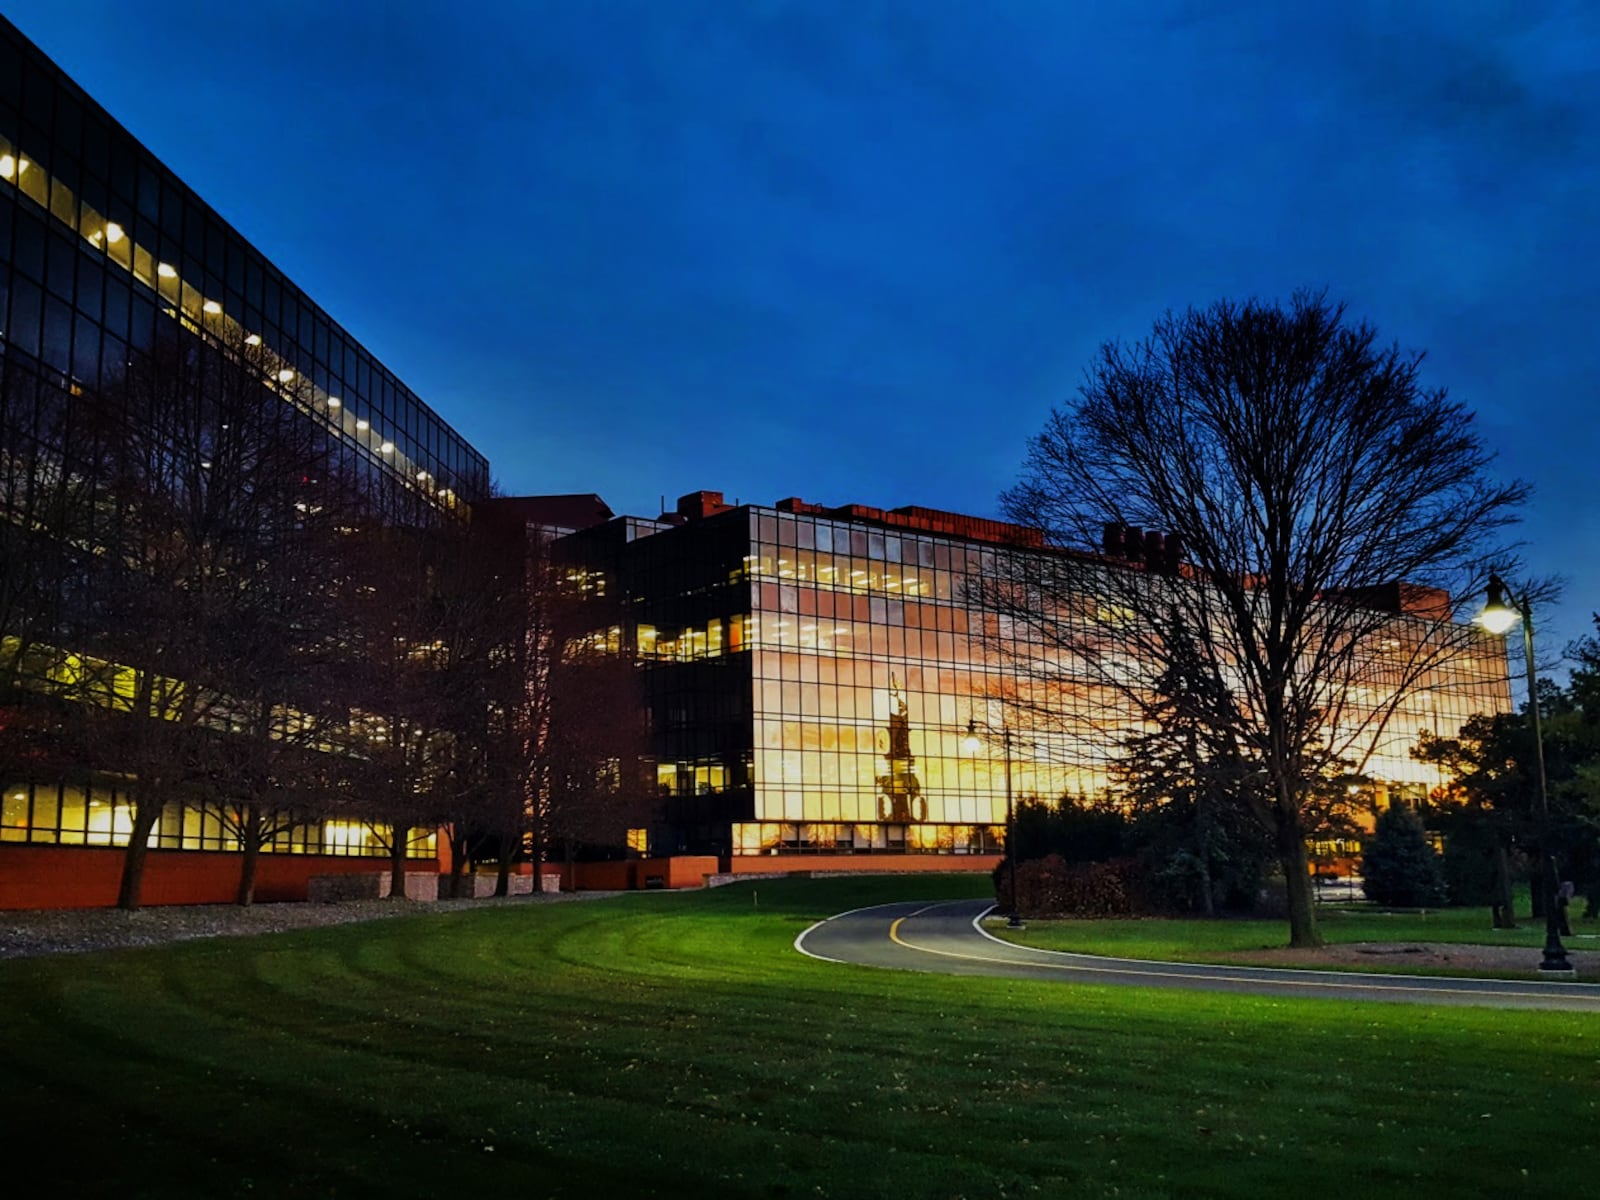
{"x": 1497, "y": 615}
{"x": 972, "y": 743}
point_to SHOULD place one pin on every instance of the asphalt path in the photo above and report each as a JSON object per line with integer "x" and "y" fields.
{"x": 947, "y": 938}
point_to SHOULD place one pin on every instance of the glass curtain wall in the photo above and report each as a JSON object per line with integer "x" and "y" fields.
{"x": 100, "y": 243}
{"x": 104, "y": 252}
{"x": 812, "y": 679}
{"x": 870, "y": 659}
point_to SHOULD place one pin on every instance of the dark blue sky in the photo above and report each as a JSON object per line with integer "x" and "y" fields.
{"x": 855, "y": 251}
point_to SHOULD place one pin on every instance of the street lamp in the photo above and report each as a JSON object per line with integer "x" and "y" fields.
{"x": 1501, "y": 611}
{"x": 972, "y": 742}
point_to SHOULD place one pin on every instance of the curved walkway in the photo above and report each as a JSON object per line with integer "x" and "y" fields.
{"x": 947, "y": 938}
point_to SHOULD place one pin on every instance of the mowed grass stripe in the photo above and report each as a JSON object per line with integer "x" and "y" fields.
{"x": 678, "y": 1045}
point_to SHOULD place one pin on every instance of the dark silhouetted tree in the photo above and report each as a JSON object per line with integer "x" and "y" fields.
{"x": 1398, "y": 866}
{"x": 211, "y": 486}
{"x": 1490, "y": 813}
{"x": 1298, "y": 469}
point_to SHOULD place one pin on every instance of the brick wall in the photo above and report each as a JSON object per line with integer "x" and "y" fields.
{"x": 88, "y": 876}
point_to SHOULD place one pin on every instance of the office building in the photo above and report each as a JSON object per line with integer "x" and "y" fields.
{"x": 812, "y": 673}
{"x": 107, "y": 259}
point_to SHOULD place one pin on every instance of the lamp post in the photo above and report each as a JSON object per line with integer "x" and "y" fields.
{"x": 1501, "y": 611}
{"x": 973, "y": 740}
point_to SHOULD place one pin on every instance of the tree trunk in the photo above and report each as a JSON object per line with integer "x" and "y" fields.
{"x": 1303, "y": 931}
{"x": 502, "y": 876}
{"x": 458, "y": 862}
{"x": 251, "y": 834}
{"x": 146, "y": 812}
{"x": 1505, "y": 916}
{"x": 399, "y": 836}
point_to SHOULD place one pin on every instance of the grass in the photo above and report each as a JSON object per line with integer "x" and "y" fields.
{"x": 1180, "y": 940}
{"x": 675, "y": 1045}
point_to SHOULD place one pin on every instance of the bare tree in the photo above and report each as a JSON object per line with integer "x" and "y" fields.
{"x": 210, "y": 482}
{"x": 567, "y": 714}
{"x": 594, "y": 791}
{"x": 402, "y": 628}
{"x": 47, "y": 512}
{"x": 477, "y": 596}
{"x": 1297, "y": 471}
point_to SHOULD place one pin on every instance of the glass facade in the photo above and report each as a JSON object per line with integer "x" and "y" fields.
{"x": 100, "y": 243}
{"x": 99, "y": 812}
{"x": 104, "y": 255}
{"x": 812, "y": 675}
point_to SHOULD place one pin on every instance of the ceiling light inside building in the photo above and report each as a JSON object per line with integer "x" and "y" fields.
{"x": 253, "y": 340}
{"x": 285, "y": 375}
{"x": 422, "y": 476}
{"x": 12, "y": 168}
{"x": 113, "y": 232}
{"x": 334, "y": 402}
{"x": 387, "y": 448}
{"x": 166, "y": 271}
{"x": 211, "y": 307}
{"x": 362, "y": 425}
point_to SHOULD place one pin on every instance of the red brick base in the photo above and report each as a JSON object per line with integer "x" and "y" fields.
{"x": 89, "y": 876}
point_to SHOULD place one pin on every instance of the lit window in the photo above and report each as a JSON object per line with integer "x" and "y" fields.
{"x": 422, "y": 476}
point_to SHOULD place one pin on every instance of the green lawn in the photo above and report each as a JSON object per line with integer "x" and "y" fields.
{"x": 1179, "y": 940}
{"x": 675, "y": 1045}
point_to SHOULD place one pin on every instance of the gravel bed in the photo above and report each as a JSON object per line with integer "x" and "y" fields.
{"x": 82, "y": 930}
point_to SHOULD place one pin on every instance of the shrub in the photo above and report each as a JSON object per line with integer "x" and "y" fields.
{"x": 1470, "y": 845}
{"x": 1076, "y": 828}
{"x": 1052, "y": 886}
{"x": 1398, "y": 866}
